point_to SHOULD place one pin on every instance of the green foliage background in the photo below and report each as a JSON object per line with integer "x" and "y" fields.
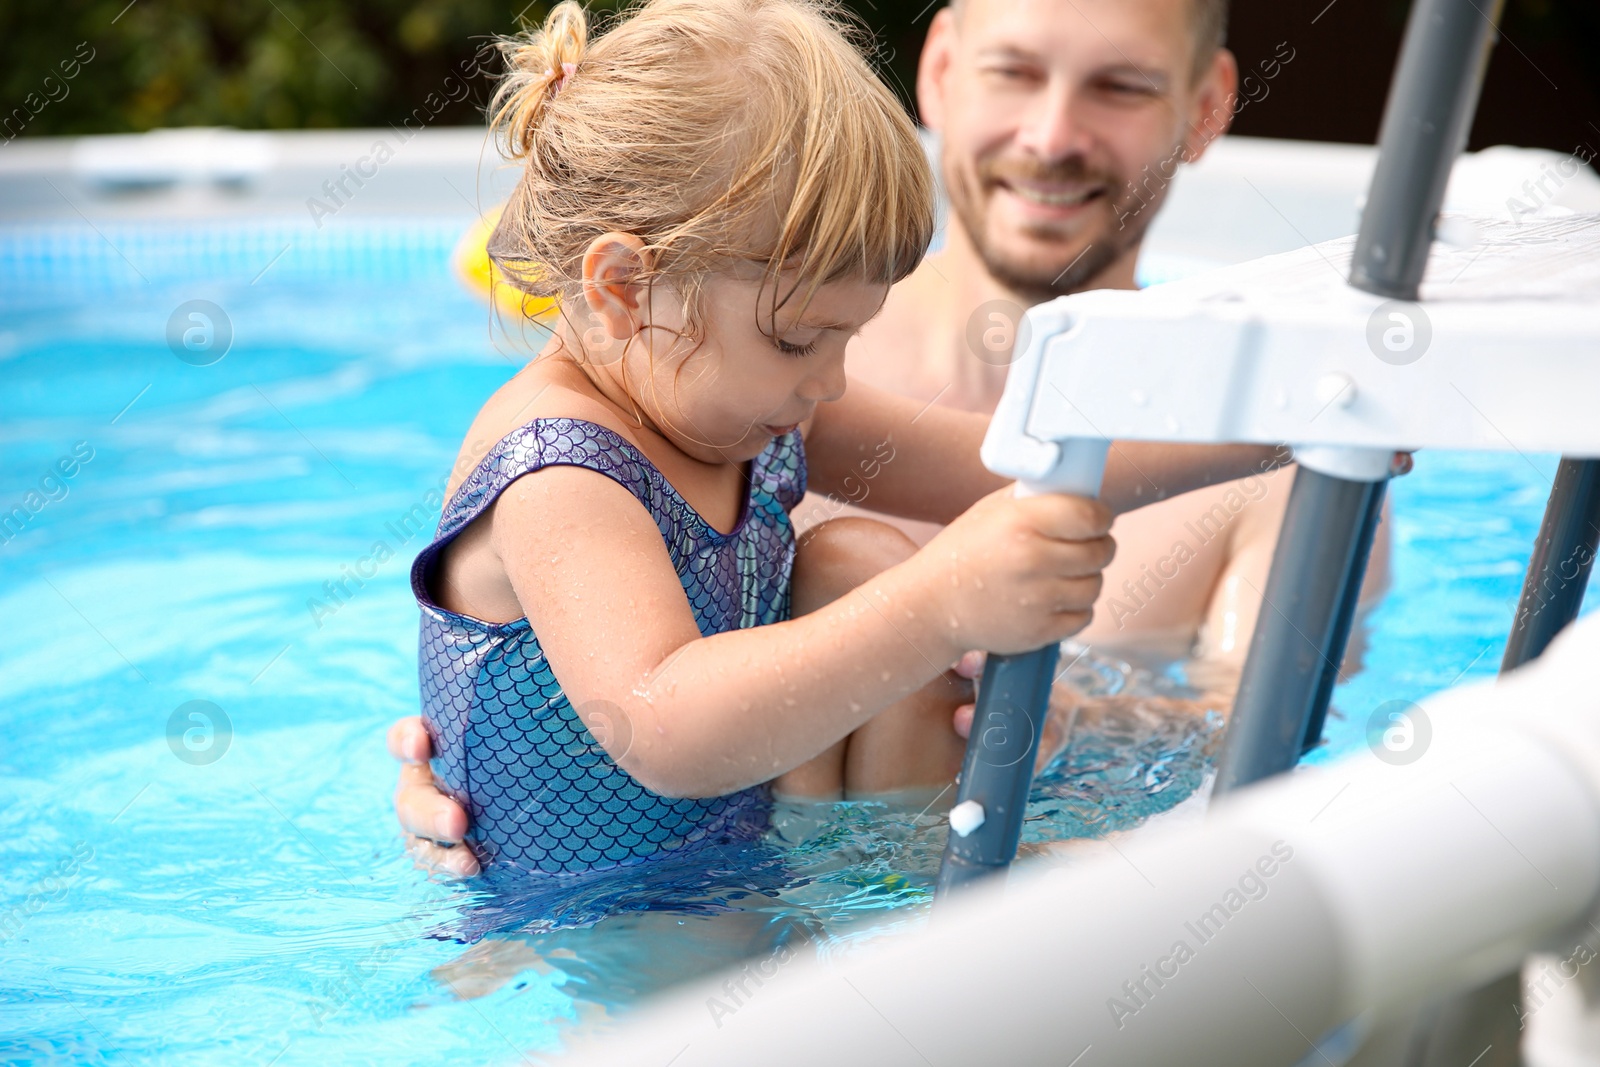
{"x": 296, "y": 64}
{"x": 266, "y": 64}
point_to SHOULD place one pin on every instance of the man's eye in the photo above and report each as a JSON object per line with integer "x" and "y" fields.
{"x": 1009, "y": 74}
{"x": 794, "y": 350}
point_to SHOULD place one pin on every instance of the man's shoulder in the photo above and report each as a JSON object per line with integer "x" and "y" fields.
{"x": 912, "y": 313}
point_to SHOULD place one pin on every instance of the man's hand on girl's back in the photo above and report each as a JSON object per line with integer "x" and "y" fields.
{"x": 433, "y": 823}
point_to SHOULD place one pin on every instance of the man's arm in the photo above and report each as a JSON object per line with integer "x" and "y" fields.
{"x": 1235, "y": 603}
{"x": 920, "y": 461}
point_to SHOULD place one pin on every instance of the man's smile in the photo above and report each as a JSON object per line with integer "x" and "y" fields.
{"x": 1051, "y": 195}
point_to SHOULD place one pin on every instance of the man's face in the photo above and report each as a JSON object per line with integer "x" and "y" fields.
{"x": 1051, "y": 111}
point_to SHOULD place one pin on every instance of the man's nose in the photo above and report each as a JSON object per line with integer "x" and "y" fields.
{"x": 1051, "y": 127}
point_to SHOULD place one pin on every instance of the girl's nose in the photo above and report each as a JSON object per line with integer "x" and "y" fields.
{"x": 827, "y": 384}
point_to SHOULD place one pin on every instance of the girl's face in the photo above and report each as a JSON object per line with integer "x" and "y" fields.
{"x": 749, "y": 379}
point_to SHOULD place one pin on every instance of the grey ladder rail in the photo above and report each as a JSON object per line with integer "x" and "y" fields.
{"x": 1328, "y": 531}
{"x": 1321, "y": 558}
{"x": 997, "y": 770}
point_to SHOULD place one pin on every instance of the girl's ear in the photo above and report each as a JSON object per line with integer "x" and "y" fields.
{"x": 614, "y": 267}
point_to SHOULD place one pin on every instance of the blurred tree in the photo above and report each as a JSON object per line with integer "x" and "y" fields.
{"x": 106, "y": 66}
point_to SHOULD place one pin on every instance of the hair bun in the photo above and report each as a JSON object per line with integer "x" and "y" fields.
{"x": 539, "y": 63}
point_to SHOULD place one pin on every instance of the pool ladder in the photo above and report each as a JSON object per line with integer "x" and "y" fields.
{"x": 1328, "y": 530}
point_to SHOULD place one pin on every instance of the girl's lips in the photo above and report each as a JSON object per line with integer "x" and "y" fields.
{"x": 779, "y": 431}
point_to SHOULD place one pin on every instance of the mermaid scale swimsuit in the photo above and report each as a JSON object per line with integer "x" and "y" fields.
{"x": 542, "y": 793}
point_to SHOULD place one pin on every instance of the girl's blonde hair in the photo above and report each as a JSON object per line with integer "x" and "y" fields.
{"x": 715, "y": 131}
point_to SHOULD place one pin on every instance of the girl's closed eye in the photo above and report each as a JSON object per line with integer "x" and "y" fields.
{"x": 790, "y": 349}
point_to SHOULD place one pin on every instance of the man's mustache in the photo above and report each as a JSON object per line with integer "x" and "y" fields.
{"x": 1071, "y": 170}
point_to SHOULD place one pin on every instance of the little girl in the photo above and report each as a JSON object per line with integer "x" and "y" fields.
{"x": 624, "y": 652}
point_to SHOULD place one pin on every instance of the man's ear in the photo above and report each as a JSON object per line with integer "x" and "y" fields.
{"x": 1211, "y": 114}
{"x": 933, "y": 68}
{"x": 614, "y": 266}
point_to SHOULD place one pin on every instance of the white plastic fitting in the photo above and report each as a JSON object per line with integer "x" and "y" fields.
{"x": 966, "y": 817}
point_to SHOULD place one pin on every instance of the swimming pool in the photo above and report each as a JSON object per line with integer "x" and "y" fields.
{"x": 235, "y": 531}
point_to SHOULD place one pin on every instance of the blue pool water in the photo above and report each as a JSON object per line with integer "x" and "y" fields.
{"x": 257, "y": 908}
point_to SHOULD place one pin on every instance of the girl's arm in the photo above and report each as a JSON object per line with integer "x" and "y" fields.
{"x": 935, "y": 473}
{"x": 703, "y": 716}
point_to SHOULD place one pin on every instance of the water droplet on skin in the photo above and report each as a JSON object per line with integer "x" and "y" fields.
{"x": 854, "y": 706}
{"x": 886, "y": 676}
{"x": 977, "y": 583}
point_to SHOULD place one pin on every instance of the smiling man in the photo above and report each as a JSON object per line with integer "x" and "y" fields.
{"x": 1056, "y": 119}
{"x": 1060, "y": 122}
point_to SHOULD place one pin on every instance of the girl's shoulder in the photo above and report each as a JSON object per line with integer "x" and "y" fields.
{"x": 541, "y": 390}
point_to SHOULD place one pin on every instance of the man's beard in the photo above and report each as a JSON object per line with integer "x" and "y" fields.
{"x": 1125, "y": 215}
